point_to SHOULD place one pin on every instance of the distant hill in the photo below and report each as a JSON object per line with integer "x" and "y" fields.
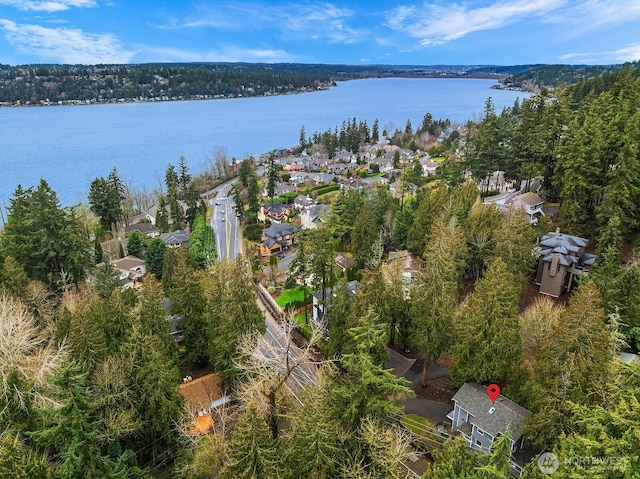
{"x": 64, "y": 84}
{"x": 550, "y": 76}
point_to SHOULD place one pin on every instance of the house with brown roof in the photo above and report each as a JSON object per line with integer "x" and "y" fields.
{"x": 562, "y": 258}
{"x": 131, "y": 270}
{"x": 201, "y": 396}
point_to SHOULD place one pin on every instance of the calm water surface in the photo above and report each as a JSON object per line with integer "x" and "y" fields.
{"x": 70, "y": 145}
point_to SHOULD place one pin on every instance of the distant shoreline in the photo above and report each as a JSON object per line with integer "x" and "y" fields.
{"x": 232, "y": 96}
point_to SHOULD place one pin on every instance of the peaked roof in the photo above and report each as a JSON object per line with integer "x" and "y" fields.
{"x": 178, "y": 236}
{"x": 128, "y": 263}
{"x": 567, "y": 247}
{"x": 506, "y": 414}
{"x": 199, "y": 393}
{"x": 276, "y": 230}
{"x": 530, "y": 199}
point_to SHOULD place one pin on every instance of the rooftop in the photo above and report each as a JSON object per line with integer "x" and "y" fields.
{"x": 494, "y": 418}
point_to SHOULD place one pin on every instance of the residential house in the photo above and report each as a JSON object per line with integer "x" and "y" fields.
{"x": 280, "y": 189}
{"x": 131, "y": 270}
{"x": 345, "y": 262}
{"x": 298, "y": 178}
{"x": 372, "y": 182}
{"x": 311, "y": 217}
{"x": 276, "y": 238}
{"x": 480, "y": 422}
{"x": 302, "y": 202}
{"x": 151, "y": 213}
{"x": 320, "y": 178}
{"x": 176, "y": 239}
{"x": 429, "y": 167}
{"x": 145, "y": 228}
{"x": 562, "y": 258}
{"x": 201, "y": 396}
{"x": 411, "y": 266}
{"x": 499, "y": 200}
{"x": 294, "y": 167}
{"x": 321, "y": 299}
{"x": 530, "y": 203}
{"x": 275, "y": 212}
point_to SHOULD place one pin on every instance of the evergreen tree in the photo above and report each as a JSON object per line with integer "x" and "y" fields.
{"x": 202, "y": 243}
{"x": 106, "y": 196}
{"x": 252, "y": 451}
{"x": 574, "y": 364}
{"x": 430, "y": 207}
{"x": 272, "y": 175}
{"x": 68, "y": 431}
{"x": 375, "y": 133}
{"x": 487, "y": 331}
{"x": 364, "y": 236}
{"x": 238, "y": 201}
{"x": 337, "y": 317}
{"x": 434, "y": 300}
{"x": 135, "y": 244}
{"x": 154, "y": 256}
{"x": 44, "y": 239}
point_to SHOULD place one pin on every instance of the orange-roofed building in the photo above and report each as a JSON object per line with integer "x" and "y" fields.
{"x": 201, "y": 396}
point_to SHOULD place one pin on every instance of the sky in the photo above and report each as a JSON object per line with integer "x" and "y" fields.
{"x": 354, "y": 32}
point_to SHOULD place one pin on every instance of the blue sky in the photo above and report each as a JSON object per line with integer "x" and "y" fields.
{"x": 503, "y": 32}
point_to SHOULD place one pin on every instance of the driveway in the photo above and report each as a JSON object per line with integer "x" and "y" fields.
{"x": 284, "y": 263}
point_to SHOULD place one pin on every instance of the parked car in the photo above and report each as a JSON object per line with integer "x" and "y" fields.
{"x": 280, "y": 255}
{"x": 285, "y": 248}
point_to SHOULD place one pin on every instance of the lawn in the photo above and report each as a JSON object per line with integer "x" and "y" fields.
{"x": 417, "y": 424}
{"x": 295, "y": 294}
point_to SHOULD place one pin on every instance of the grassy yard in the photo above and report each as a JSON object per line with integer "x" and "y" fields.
{"x": 295, "y": 294}
{"x": 417, "y": 424}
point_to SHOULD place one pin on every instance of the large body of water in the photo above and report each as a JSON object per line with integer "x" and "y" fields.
{"x": 70, "y": 145}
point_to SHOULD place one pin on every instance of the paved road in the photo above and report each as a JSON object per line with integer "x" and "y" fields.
{"x": 226, "y": 226}
{"x": 273, "y": 347}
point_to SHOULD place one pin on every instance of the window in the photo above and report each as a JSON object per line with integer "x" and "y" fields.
{"x": 480, "y": 433}
{"x": 478, "y": 443}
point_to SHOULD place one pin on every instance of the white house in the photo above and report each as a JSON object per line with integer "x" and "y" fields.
{"x": 130, "y": 269}
{"x": 529, "y": 202}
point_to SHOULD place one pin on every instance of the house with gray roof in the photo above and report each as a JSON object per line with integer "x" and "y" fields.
{"x": 562, "y": 258}
{"x": 480, "y": 422}
{"x": 277, "y": 238}
{"x": 176, "y": 239}
{"x": 311, "y": 217}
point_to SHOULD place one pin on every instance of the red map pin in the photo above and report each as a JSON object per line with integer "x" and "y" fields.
{"x": 493, "y": 391}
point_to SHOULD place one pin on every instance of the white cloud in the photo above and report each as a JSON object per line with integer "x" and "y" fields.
{"x": 65, "y": 45}
{"x": 319, "y": 21}
{"x": 48, "y": 5}
{"x": 435, "y": 24}
{"x": 630, "y": 53}
{"x": 596, "y": 13}
{"x": 225, "y": 54}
